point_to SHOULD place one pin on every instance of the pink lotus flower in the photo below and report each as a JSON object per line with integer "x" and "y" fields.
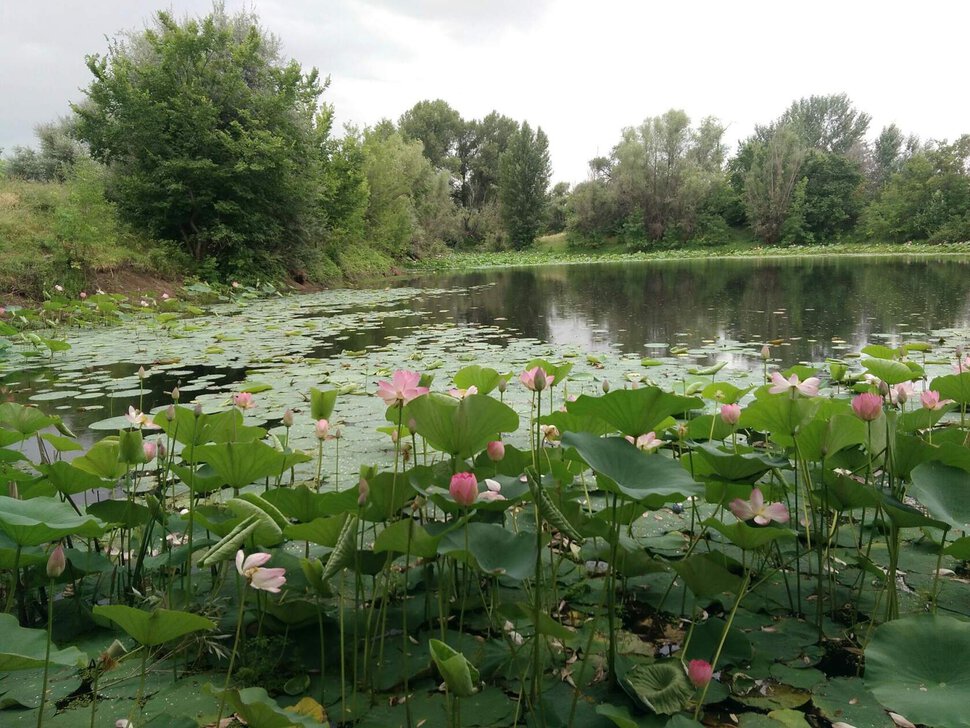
{"x": 464, "y": 489}
{"x": 151, "y": 450}
{"x": 321, "y": 428}
{"x": 251, "y": 567}
{"x": 903, "y": 391}
{"x": 56, "y": 563}
{"x": 139, "y": 419}
{"x": 536, "y": 379}
{"x": 363, "y": 491}
{"x": 809, "y": 387}
{"x": 699, "y": 672}
{"x": 495, "y": 450}
{"x": 462, "y": 393}
{"x": 243, "y": 400}
{"x": 931, "y": 400}
{"x": 867, "y": 406}
{"x": 730, "y": 414}
{"x": 756, "y": 508}
{"x": 402, "y": 388}
{"x": 647, "y": 443}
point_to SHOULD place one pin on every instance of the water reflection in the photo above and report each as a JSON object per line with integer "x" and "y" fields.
{"x": 812, "y": 304}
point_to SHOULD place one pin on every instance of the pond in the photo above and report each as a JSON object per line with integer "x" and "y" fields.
{"x": 608, "y": 319}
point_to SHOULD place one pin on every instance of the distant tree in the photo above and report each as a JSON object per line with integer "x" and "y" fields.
{"x": 771, "y": 180}
{"x": 491, "y": 137}
{"x": 828, "y": 123}
{"x": 212, "y": 139}
{"x": 827, "y": 200}
{"x": 524, "y": 178}
{"x": 59, "y": 151}
{"x": 557, "y": 208}
{"x": 438, "y": 127}
{"x": 592, "y": 211}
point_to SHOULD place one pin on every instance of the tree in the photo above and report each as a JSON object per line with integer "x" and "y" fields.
{"x": 438, "y": 127}
{"x": 59, "y": 152}
{"x": 211, "y": 138}
{"x": 770, "y": 183}
{"x": 524, "y": 177}
{"x": 828, "y": 123}
{"x": 557, "y": 208}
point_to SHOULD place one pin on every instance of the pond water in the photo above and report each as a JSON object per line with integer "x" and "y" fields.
{"x": 606, "y": 318}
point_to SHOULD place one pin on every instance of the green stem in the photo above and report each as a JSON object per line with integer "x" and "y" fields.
{"x": 47, "y": 654}
{"x": 720, "y": 645}
{"x": 235, "y": 650}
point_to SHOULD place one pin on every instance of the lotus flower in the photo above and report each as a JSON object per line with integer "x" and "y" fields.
{"x": 321, "y": 428}
{"x": 756, "y": 508}
{"x": 150, "y": 449}
{"x": 699, "y": 672}
{"x": 464, "y": 489}
{"x": 402, "y": 388}
{"x": 867, "y": 406}
{"x": 462, "y": 393}
{"x": 57, "y": 562}
{"x": 931, "y": 400}
{"x": 243, "y": 400}
{"x": 809, "y": 387}
{"x": 251, "y": 567}
{"x": 731, "y": 413}
{"x": 495, "y": 450}
{"x": 139, "y": 419}
{"x": 536, "y": 379}
{"x": 647, "y": 443}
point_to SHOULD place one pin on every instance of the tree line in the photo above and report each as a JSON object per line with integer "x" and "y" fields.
{"x": 199, "y": 134}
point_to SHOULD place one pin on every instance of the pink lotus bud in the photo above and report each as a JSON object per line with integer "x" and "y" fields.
{"x": 502, "y": 385}
{"x": 464, "y": 489}
{"x": 56, "y": 563}
{"x": 867, "y": 406}
{"x": 322, "y": 429}
{"x": 883, "y": 388}
{"x": 176, "y": 394}
{"x": 765, "y": 352}
{"x": 141, "y": 372}
{"x": 363, "y": 489}
{"x": 606, "y": 386}
{"x": 288, "y": 418}
{"x": 731, "y": 413}
{"x": 243, "y": 400}
{"x": 151, "y": 450}
{"x": 412, "y": 424}
{"x": 170, "y": 412}
{"x": 699, "y": 672}
{"x": 162, "y": 450}
{"x": 495, "y": 450}
{"x": 82, "y": 295}
{"x": 197, "y": 410}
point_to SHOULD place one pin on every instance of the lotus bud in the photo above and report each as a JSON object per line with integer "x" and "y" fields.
{"x": 883, "y": 388}
{"x": 765, "y": 352}
{"x": 151, "y": 450}
{"x": 321, "y": 429}
{"x": 502, "y": 385}
{"x": 495, "y": 450}
{"x": 363, "y": 488}
{"x": 901, "y": 396}
{"x": 605, "y": 385}
{"x": 197, "y": 410}
{"x": 170, "y": 412}
{"x": 82, "y": 295}
{"x": 175, "y": 394}
{"x": 540, "y": 380}
{"x": 412, "y": 424}
{"x": 699, "y": 672}
{"x": 162, "y": 450}
{"x": 288, "y": 418}
{"x": 141, "y": 372}
{"x": 56, "y": 563}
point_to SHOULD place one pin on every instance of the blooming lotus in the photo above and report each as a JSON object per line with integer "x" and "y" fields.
{"x": 402, "y": 388}
{"x": 647, "y": 443}
{"x": 536, "y": 379}
{"x": 931, "y": 400}
{"x": 762, "y": 513}
{"x": 251, "y": 567}
{"x": 139, "y": 419}
{"x": 731, "y": 413}
{"x": 464, "y": 489}
{"x": 867, "y": 406}
{"x": 458, "y": 393}
{"x": 243, "y": 400}
{"x": 809, "y": 387}
{"x": 550, "y": 433}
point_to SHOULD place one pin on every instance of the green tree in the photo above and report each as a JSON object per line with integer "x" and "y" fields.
{"x": 827, "y": 201}
{"x": 524, "y": 178}
{"x": 828, "y": 123}
{"x": 211, "y": 138}
{"x": 771, "y": 181}
{"x": 438, "y": 127}
{"x": 59, "y": 150}
{"x": 557, "y": 208}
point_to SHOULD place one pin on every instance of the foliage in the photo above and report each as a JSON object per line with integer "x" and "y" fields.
{"x": 524, "y": 179}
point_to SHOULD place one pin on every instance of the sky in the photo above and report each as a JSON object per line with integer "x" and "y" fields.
{"x": 581, "y": 69}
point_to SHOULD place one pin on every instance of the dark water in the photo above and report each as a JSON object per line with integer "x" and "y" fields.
{"x": 805, "y": 302}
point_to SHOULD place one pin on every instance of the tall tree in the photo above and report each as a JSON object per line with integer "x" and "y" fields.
{"x": 438, "y": 127}
{"x": 211, "y": 137}
{"x": 828, "y": 123}
{"x": 524, "y": 178}
{"x": 771, "y": 180}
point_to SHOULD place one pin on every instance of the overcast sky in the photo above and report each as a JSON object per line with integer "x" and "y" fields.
{"x": 580, "y": 69}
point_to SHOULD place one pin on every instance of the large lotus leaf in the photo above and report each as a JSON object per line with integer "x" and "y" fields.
{"x": 743, "y": 467}
{"x": 483, "y": 379}
{"x": 917, "y": 667}
{"x": 406, "y": 536}
{"x": 637, "y": 475}
{"x": 323, "y": 530}
{"x": 823, "y": 437}
{"x": 493, "y": 549}
{"x": 706, "y": 574}
{"x": 39, "y": 520}
{"x": 322, "y": 402}
{"x": 661, "y": 687}
{"x": 257, "y": 708}
{"x": 891, "y": 372}
{"x": 953, "y": 386}
{"x": 201, "y": 480}
{"x": 460, "y": 675}
{"x": 571, "y": 422}
{"x": 242, "y": 463}
{"x": 191, "y": 429}
{"x": 153, "y": 628}
{"x": 904, "y": 516}
{"x": 102, "y": 460}
{"x": 781, "y": 415}
{"x": 749, "y": 537}
{"x": 634, "y": 412}
{"x": 268, "y": 531}
{"x": 301, "y": 503}
{"x": 69, "y": 479}
{"x": 908, "y": 452}
{"x": 388, "y": 494}
{"x": 724, "y": 392}
{"x": 461, "y": 427}
{"x": 944, "y": 492}
{"x": 23, "y": 649}
{"x": 922, "y": 418}
{"x": 842, "y": 493}
{"x": 120, "y": 512}
{"x": 24, "y": 420}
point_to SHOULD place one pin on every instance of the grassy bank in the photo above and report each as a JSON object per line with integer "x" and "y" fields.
{"x": 554, "y": 249}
